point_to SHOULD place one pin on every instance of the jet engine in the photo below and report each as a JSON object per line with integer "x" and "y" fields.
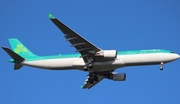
{"x": 107, "y": 53}
{"x": 118, "y": 76}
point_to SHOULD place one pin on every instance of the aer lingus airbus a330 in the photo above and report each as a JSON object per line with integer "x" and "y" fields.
{"x": 97, "y": 62}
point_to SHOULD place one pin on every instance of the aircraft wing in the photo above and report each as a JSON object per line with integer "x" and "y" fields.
{"x": 88, "y": 85}
{"x": 83, "y": 46}
{"x": 100, "y": 76}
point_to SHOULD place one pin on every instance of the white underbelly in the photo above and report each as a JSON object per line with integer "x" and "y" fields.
{"x": 52, "y": 63}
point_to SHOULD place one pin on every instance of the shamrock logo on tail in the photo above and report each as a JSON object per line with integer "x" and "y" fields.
{"x": 20, "y": 48}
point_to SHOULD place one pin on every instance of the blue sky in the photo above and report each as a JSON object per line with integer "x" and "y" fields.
{"x": 118, "y": 24}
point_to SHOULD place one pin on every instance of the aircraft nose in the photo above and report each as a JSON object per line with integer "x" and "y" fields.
{"x": 177, "y": 56}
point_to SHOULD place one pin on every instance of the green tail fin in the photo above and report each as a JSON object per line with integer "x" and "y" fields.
{"x": 20, "y": 49}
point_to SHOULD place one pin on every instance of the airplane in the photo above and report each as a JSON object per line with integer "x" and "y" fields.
{"x": 99, "y": 63}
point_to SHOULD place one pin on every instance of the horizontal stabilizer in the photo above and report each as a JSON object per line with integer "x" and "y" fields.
{"x": 17, "y": 58}
{"x": 17, "y": 66}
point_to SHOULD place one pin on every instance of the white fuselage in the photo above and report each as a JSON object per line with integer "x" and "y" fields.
{"x": 120, "y": 61}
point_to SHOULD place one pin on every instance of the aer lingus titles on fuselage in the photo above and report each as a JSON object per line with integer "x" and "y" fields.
{"x": 98, "y": 62}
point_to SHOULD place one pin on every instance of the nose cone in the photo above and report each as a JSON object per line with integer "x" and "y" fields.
{"x": 176, "y": 56}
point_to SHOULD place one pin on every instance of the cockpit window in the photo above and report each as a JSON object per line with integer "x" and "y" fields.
{"x": 172, "y": 52}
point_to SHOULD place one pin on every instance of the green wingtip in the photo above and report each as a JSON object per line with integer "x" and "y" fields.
{"x": 50, "y": 16}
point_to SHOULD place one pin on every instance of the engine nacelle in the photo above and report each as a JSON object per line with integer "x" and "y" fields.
{"x": 107, "y": 53}
{"x": 118, "y": 76}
